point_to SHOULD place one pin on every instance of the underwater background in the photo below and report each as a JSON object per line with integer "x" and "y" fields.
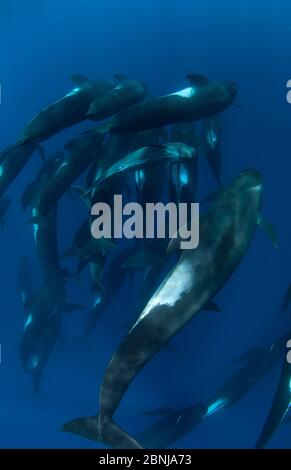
{"x": 158, "y": 41}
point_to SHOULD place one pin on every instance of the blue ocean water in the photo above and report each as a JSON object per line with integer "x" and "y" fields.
{"x": 158, "y": 41}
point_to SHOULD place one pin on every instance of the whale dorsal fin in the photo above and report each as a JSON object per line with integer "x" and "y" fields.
{"x": 79, "y": 80}
{"x": 197, "y": 80}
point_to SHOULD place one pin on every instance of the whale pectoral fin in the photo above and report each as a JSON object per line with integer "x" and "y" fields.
{"x": 212, "y": 307}
{"x": 23, "y": 141}
{"x": 279, "y": 407}
{"x": 106, "y": 431}
{"x": 84, "y": 195}
{"x": 197, "y": 80}
{"x": 170, "y": 349}
{"x": 79, "y": 80}
{"x": 38, "y": 220}
{"x": 269, "y": 229}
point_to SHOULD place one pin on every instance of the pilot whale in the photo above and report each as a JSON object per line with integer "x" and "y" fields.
{"x": 125, "y": 94}
{"x": 69, "y": 110}
{"x": 202, "y": 99}
{"x": 226, "y": 232}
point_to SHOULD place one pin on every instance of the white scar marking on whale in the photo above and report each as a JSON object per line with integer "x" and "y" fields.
{"x": 256, "y": 188}
{"x": 179, "y": 419}
{"x": 211, "y": 138}
{"x": 186, "y": 93}
{"x": 216, "y": 406}
{"x": 62, "y": 166}
{"x": 183, "y": 177}
{"x": 28, "y": 321}
{"x": 97, "y": 300}
{"x": 179, "y": 283}
{"x": 35, "y": 362}
{"x": 74, "y": 91}
{"x": 139, "y": 176}
{"x": 35, "y": 226}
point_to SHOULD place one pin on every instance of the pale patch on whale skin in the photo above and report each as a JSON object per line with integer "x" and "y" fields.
{"x": 97, "y": 300}
{"x": 62, "y": 166}
{"x": 186, "y": 93}
{"x": 28, "y": 321}
{"x": 211, "y": 138}
{"x": 216, "y": 406}
{"x": 178, "y": 284}
{"x": 72, "y": 92}
{"x": 35, "y": 226}
{"x": 33, "y": 363}
{"x": 183, "y": 176}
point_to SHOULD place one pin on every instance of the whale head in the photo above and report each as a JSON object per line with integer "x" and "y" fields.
{"x": 249, "y": 183}
{"x": 226, "y": 92}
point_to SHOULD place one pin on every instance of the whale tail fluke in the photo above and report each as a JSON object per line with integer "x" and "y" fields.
{"x": 106, "y": 431}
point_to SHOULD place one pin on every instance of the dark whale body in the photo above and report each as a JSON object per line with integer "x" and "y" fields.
{"x": 226, "y": 232}
{"x": 201, "y": 100}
